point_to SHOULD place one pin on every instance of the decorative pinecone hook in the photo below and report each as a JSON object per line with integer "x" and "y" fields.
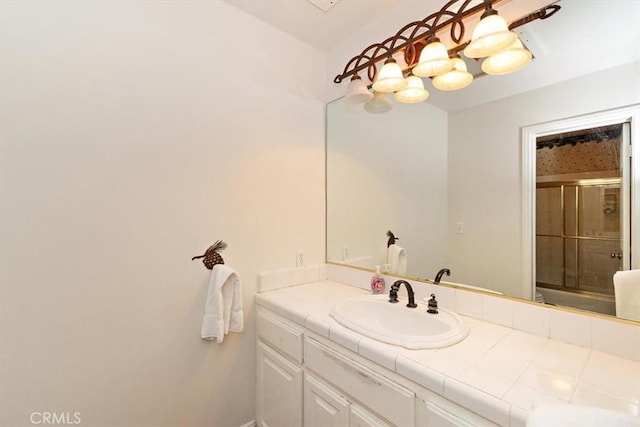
{"x": 392, "y": 238}
{"x": 211, "y": 255}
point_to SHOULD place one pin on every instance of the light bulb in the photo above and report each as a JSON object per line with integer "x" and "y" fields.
{"x": 357, "y": 91}
{"x": 507, "y": 61}
{"x": 490, "y": 36}
{"x": 380, "y": 103}
{"x": 390, "y": 77}
{"x": 434, "y": 60}
{"x": 455, "y": 79}
{"x": 413, "y": 92}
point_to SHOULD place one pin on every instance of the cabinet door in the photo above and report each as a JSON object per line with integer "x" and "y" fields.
{"x": 438, "y": 417}
{"x": 279, "y": 390}
{"x": 392, "y": 401}
{"x": 360, "y": 417}
{"x": 323, "y": 406}
{"x": 445, "y": 413}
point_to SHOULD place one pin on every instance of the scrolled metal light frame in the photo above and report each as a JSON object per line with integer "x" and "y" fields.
{"x": 418, "y": 32}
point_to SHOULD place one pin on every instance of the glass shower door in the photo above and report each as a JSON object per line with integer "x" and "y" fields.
{"x": 579, "y": 245}
{"x": 582, "y": 196}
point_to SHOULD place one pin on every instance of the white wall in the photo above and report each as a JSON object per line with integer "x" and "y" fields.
{"x": 135, "y": 134}
{"x": 484, "y": 170}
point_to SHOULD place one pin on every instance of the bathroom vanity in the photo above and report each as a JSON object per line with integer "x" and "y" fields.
{"x": 305, "y": 378}
{"x": 313, "y": 371}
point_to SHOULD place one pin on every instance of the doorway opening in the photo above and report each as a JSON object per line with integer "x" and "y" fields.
{"x": 580, "y": 217}
{"x": 578, "y": 207}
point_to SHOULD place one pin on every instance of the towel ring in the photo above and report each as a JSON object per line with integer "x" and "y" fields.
{"x": 392, "y": 238}
{"x": 211, "y": 255}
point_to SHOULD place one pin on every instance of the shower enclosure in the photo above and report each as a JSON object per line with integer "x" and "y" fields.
{"x": 580, "y": 217}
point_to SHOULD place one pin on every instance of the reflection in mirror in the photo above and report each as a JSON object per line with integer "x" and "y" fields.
{"x": 387, "y": 175}
{"x": 447, "y": 177}
{"x": 580, "y": 217}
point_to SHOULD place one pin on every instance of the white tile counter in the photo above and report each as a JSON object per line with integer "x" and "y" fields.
{"x": 497, "y": 371}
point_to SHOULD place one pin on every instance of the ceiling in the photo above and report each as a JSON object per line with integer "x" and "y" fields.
{"x": 307, "y": 22}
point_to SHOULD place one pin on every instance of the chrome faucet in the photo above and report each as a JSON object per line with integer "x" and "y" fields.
{"x": 440, "y": 273}
{"x": 393, "y": 293}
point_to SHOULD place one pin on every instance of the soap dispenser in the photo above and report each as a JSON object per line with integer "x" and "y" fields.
{"x": 377, "y": 281}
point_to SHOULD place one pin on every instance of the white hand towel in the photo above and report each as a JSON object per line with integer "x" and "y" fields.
{"x": 397, "y": 259}
{"x": 626, "y": 285}
{"x": 223, "y": 308}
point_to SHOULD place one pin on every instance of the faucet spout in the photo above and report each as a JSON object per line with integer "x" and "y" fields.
{"x": 393, "y": 293}
{"x": 440, "y": 273}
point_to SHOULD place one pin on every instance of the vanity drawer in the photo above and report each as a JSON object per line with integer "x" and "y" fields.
{"x": 390, "y": 400}
{"x": 281, "y": 334}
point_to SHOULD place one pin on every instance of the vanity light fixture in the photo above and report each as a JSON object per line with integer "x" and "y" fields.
{"x": 380, "y": 103}
{"x": 455, "y": 79}
{"x": 426, "y": 56}
{"x": 413, "y": 92}
{"x": 508, "y": 60}
{"x": 434, "y": 60}
{"x": 357, "y": 91}
{"x": 390, "y": 78}
{"x": 490, "y": 36}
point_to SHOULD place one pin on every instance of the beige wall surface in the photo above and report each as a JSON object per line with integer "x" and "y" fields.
{"x": 134, "y": 135}
{"x": 387, "y": 172}
{"x": 484, "y": 169}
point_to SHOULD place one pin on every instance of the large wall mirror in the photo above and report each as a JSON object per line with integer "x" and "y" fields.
{"x": 446, "y": 176}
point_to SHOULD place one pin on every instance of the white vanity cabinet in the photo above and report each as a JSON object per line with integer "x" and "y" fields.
{"x": 360, "y": 417}
{"x": 301, "y": 381}
{"x": 324, "y": 406}
{"x": 439, "y": 412}
{"x": 279, "y": 384}
{"x": 306, "y": 380}
{"x": 279, "y": 379}
{"x": 361, "y": 385}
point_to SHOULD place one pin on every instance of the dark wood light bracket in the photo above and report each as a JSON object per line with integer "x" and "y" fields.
{"x": 412, "y": 37}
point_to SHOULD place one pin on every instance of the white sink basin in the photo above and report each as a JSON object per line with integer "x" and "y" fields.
{"x": 375, "y": 317}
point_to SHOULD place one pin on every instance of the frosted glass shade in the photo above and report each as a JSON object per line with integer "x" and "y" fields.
{"x": 455, "y": 79}
{"x": 357, "y": 91}
{"x": 507, "y": 61}
{"x": 413, "y": 92}
{"x": 380, "y": 103}
{"x": 390, "y": 77}
{"x": 490, "y": 36}
{"x": 434, "y": 60}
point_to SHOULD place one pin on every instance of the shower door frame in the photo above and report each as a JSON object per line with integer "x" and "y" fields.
{"x": 577, "y": 237}
{"x": 631, "y": 177}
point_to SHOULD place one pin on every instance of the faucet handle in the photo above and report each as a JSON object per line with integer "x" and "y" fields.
{"x": 432, "y": 305}
{"x": 393, "y": 294}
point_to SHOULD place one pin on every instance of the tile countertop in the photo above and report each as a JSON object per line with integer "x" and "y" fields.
{"x": 497, "y": 372}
